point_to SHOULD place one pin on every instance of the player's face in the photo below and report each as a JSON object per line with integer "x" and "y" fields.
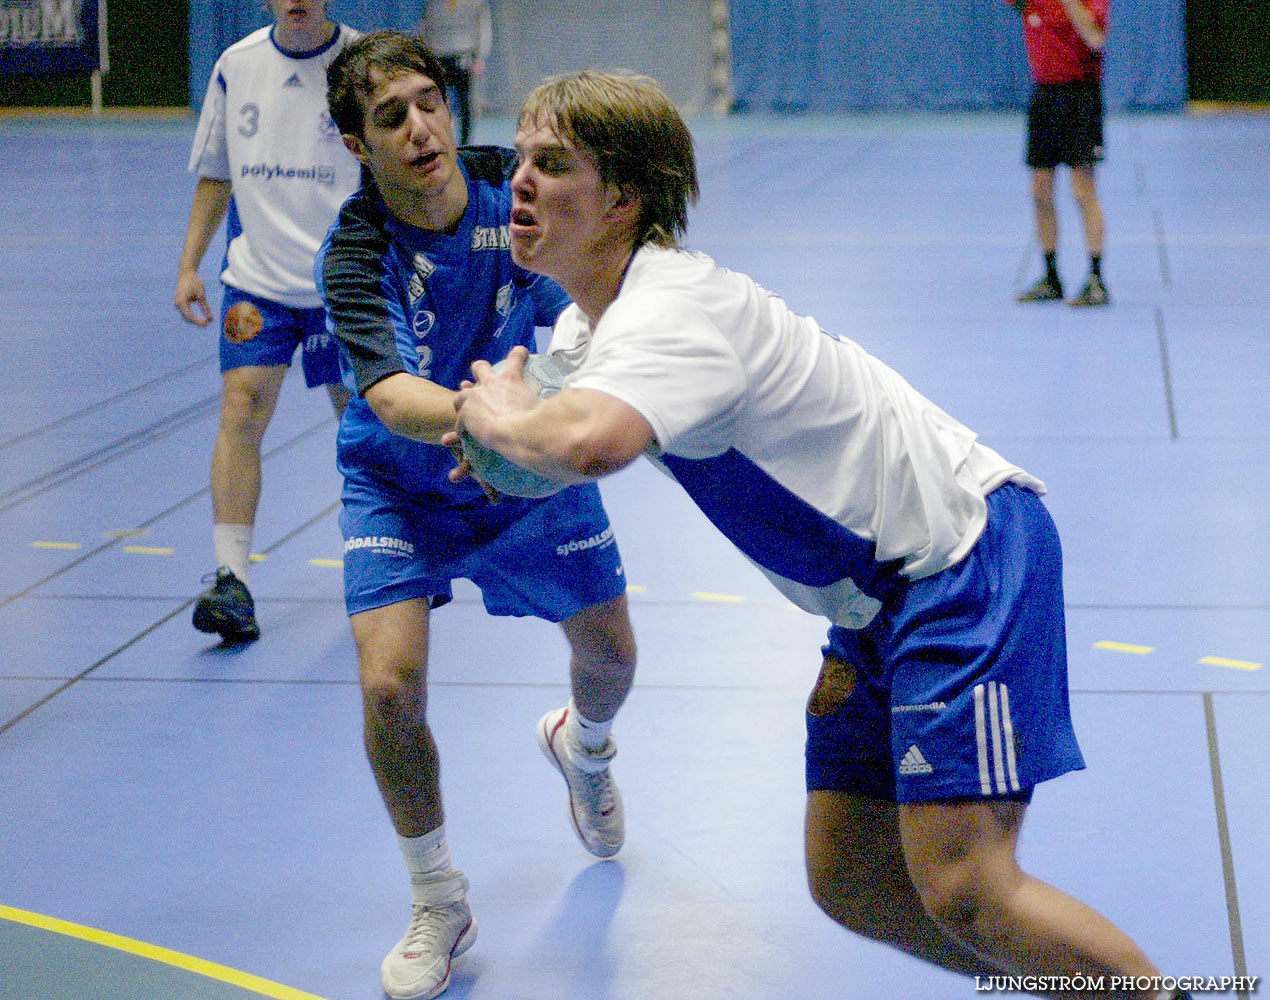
{"x": 408, "y": 139}
{"x": 298, "y": 15}
{"x": 562, "y": 212}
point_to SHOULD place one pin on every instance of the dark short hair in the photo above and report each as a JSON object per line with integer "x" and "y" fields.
{"x": 634, "y": 134}
{"x": 350, "y": 82}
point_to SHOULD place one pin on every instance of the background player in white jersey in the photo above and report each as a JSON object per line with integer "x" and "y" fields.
{"x": 267, "y": 154}
{"x": 942, "y": 699}
{"x": 419, "y": 283}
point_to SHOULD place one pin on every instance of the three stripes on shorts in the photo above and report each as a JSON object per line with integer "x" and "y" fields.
{"x": 994, "y": 735}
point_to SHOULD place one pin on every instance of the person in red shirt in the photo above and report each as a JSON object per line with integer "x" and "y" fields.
{"x": 1064, "y": 41}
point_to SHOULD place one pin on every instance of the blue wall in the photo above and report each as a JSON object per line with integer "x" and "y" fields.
{"x": 847, "y": 55}
{"x": 829, "y": 55}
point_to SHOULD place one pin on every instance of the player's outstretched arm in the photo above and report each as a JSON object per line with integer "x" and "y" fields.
{"x": 413, "y": 407}
{"x": 575, "y": 436}
{"x": 211, "y": 201}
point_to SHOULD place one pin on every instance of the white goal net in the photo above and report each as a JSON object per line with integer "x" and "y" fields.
{"x": 681, "y": 43}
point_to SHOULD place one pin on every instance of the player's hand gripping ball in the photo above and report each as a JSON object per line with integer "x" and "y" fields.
{"x": 544, "y": 375}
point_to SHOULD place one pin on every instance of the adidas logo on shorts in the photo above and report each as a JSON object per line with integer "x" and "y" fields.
{"x": 914, "y": 762}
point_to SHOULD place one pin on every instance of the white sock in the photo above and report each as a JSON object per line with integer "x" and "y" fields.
{"x": 585, "y": 733}
{"x": 232, "y": 545}
{"x": 433, "y": 878}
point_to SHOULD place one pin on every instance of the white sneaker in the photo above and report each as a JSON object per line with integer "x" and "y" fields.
{"x": 595, "y": 804}
{"x": 418, "y": 968}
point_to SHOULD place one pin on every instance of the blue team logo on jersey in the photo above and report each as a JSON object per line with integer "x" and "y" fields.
{"x": 423, "y": 268}
{"x": 423, "y": 323}
{"x": 503, "y": 300}
{"x": 326, "y": 125}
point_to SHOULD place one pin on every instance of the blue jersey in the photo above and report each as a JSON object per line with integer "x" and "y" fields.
{"x": 401, "y": 299}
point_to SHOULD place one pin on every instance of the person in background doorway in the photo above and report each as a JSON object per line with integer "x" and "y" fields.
{"x": 460, "y": 33}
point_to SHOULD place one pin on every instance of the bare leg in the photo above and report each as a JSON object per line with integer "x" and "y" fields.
{"x": 855, "y": 861}
{"x": 1085, "y": 190}
{"x": 602, "y": 664}
{"x": 1043, "y": 210}
{"x": 856, "y": 872}
{"x": 961, "y": 858}
{"x": 247, "y": 404}
{"x": 392, "y": 654}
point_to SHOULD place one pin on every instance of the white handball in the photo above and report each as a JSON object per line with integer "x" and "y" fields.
{"x": 544, "y": 375}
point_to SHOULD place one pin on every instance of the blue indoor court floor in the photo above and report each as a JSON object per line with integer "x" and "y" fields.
{"x": 180, "y": 819}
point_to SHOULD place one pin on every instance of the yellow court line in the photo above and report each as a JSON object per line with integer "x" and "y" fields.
{"x": 148, "y": 550}
{"x": 1123, "y": 647}
{"x": 636, "y": 588}
{"x": 705, "y": 595}
{"x": 1221, "y": 661}
{"x": 189, "y": 963}
{"x": 257, "y": 557}
{"x": 56, "y": 545}
{"x": 328, "y": 563}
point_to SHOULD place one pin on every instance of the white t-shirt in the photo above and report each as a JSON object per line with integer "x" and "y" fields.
{"x": 266, "y": 129}
{"x": 823, "y": 465}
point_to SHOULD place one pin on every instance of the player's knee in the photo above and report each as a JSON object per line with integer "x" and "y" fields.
{"x": 824, "y": 887}
{"x": 1043, "y": 188}
{"x": 849, "y": 909}
{"x": 602, "y": 638}
{"x": 961, "y": 897}
{"x": 1084, "y": 190}
{"x": 392, "y": 689}
{"x": 244, "y": 410}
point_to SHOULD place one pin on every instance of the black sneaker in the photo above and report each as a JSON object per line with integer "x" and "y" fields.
{"x": 227, "y": 608}
{"x": 1045, "y": 290}
{"x": 1093, "y": 294}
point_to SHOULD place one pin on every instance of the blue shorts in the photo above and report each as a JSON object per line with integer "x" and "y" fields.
{"x": 960, "y": 683}
{"x": 256, "y": 331}
{"x": 549, "y": 558}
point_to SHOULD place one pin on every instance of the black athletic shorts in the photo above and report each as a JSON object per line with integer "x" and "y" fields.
{"x": 1064, "y": 125}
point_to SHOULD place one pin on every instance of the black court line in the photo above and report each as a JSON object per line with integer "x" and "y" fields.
{"x": 15, "y": 496}
{"x": 1162, "y": 338}
{"x": 186, "y": 501}
{"x": 150, "y": 598}
{"x": 1223, "y": 836}
{"x": 842, "y": 167}
{"x": 153, "y": 626}
{"x": 782, "y": 687}
{"x": 103, "y": 403}
{"x": 1166, "y": 607}
{"x": 1161, "y": 247}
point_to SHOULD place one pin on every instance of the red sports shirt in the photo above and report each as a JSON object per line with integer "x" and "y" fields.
{"x": 1055, "y": 51}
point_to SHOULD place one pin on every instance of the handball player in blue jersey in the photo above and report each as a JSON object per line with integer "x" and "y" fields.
{"x": 942, "y": 699}
{"x": 419, "y": 283}
{"x": 268, "y": 156}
